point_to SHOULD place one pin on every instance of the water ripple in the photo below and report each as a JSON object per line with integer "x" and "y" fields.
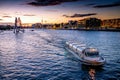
{"x": 40, "y": 55}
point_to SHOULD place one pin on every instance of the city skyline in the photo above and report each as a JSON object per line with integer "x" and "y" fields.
{"x": 57, "y": 11}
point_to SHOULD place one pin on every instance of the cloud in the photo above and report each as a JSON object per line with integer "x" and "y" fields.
{"x": 18, "y": 13}
{"x": 52, "y": 10}
{"x": 1, "y": 19}
{"x": 49, "y": 2}
{"x": 91, "y": 4}
{"x": 115, "y": 4}
{"x": 80, "y": 15}
{"x": 7, "y": 16}
{"x": 5, "y": 13}
{"x": 28, "y": 15}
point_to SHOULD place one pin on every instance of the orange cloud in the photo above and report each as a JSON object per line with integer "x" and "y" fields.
{"x": 28, "y": 15}
{"x": 80, "y": 15}
{"x": 1, "y": 19}
{"x": 7, "y": 16}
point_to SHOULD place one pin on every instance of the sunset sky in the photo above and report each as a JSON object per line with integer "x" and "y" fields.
{"x": 57, "y": 11}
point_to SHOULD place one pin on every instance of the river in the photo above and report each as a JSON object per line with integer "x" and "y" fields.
{"x": 41, "y": 55}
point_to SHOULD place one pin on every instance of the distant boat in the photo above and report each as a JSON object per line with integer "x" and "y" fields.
{"x": 32, "y": 30}
{"x": 88, "y": 56}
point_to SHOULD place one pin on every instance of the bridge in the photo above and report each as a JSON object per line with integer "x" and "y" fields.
{"x": 18, "y": 25}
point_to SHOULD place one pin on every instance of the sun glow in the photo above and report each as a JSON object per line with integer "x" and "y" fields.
{"x": 52, "y": 14}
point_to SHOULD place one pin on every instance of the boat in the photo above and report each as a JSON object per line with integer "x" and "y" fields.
{"x": 87, "y": 55}
{"x": 32, "y": 30}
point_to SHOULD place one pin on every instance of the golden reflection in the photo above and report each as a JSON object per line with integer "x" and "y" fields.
{"x": 92, "y": 74}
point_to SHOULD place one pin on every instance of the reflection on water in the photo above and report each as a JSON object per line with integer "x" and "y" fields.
{"x": 92, "y": 74}
{"x": 40, "y": 55}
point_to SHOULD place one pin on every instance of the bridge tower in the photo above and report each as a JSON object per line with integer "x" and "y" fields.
{"x": 18, "y": 25}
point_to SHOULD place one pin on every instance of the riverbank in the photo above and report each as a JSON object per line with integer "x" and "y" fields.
{"x": 114, "y": 30}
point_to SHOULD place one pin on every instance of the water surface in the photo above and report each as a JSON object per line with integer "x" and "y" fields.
{"x": 41, "y": 55}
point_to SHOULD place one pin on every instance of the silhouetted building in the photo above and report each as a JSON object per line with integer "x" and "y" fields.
{"x": 81, "y": 24}
{"x": 89, "y": 23}
{"x": 93, "y": 23}
{"x": 73, "y": 24}
{"x": 37, "y": 25}
{"x": 111, "y": 23}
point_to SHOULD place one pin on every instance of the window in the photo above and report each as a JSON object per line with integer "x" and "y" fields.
{"x": 92, "y": 54}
